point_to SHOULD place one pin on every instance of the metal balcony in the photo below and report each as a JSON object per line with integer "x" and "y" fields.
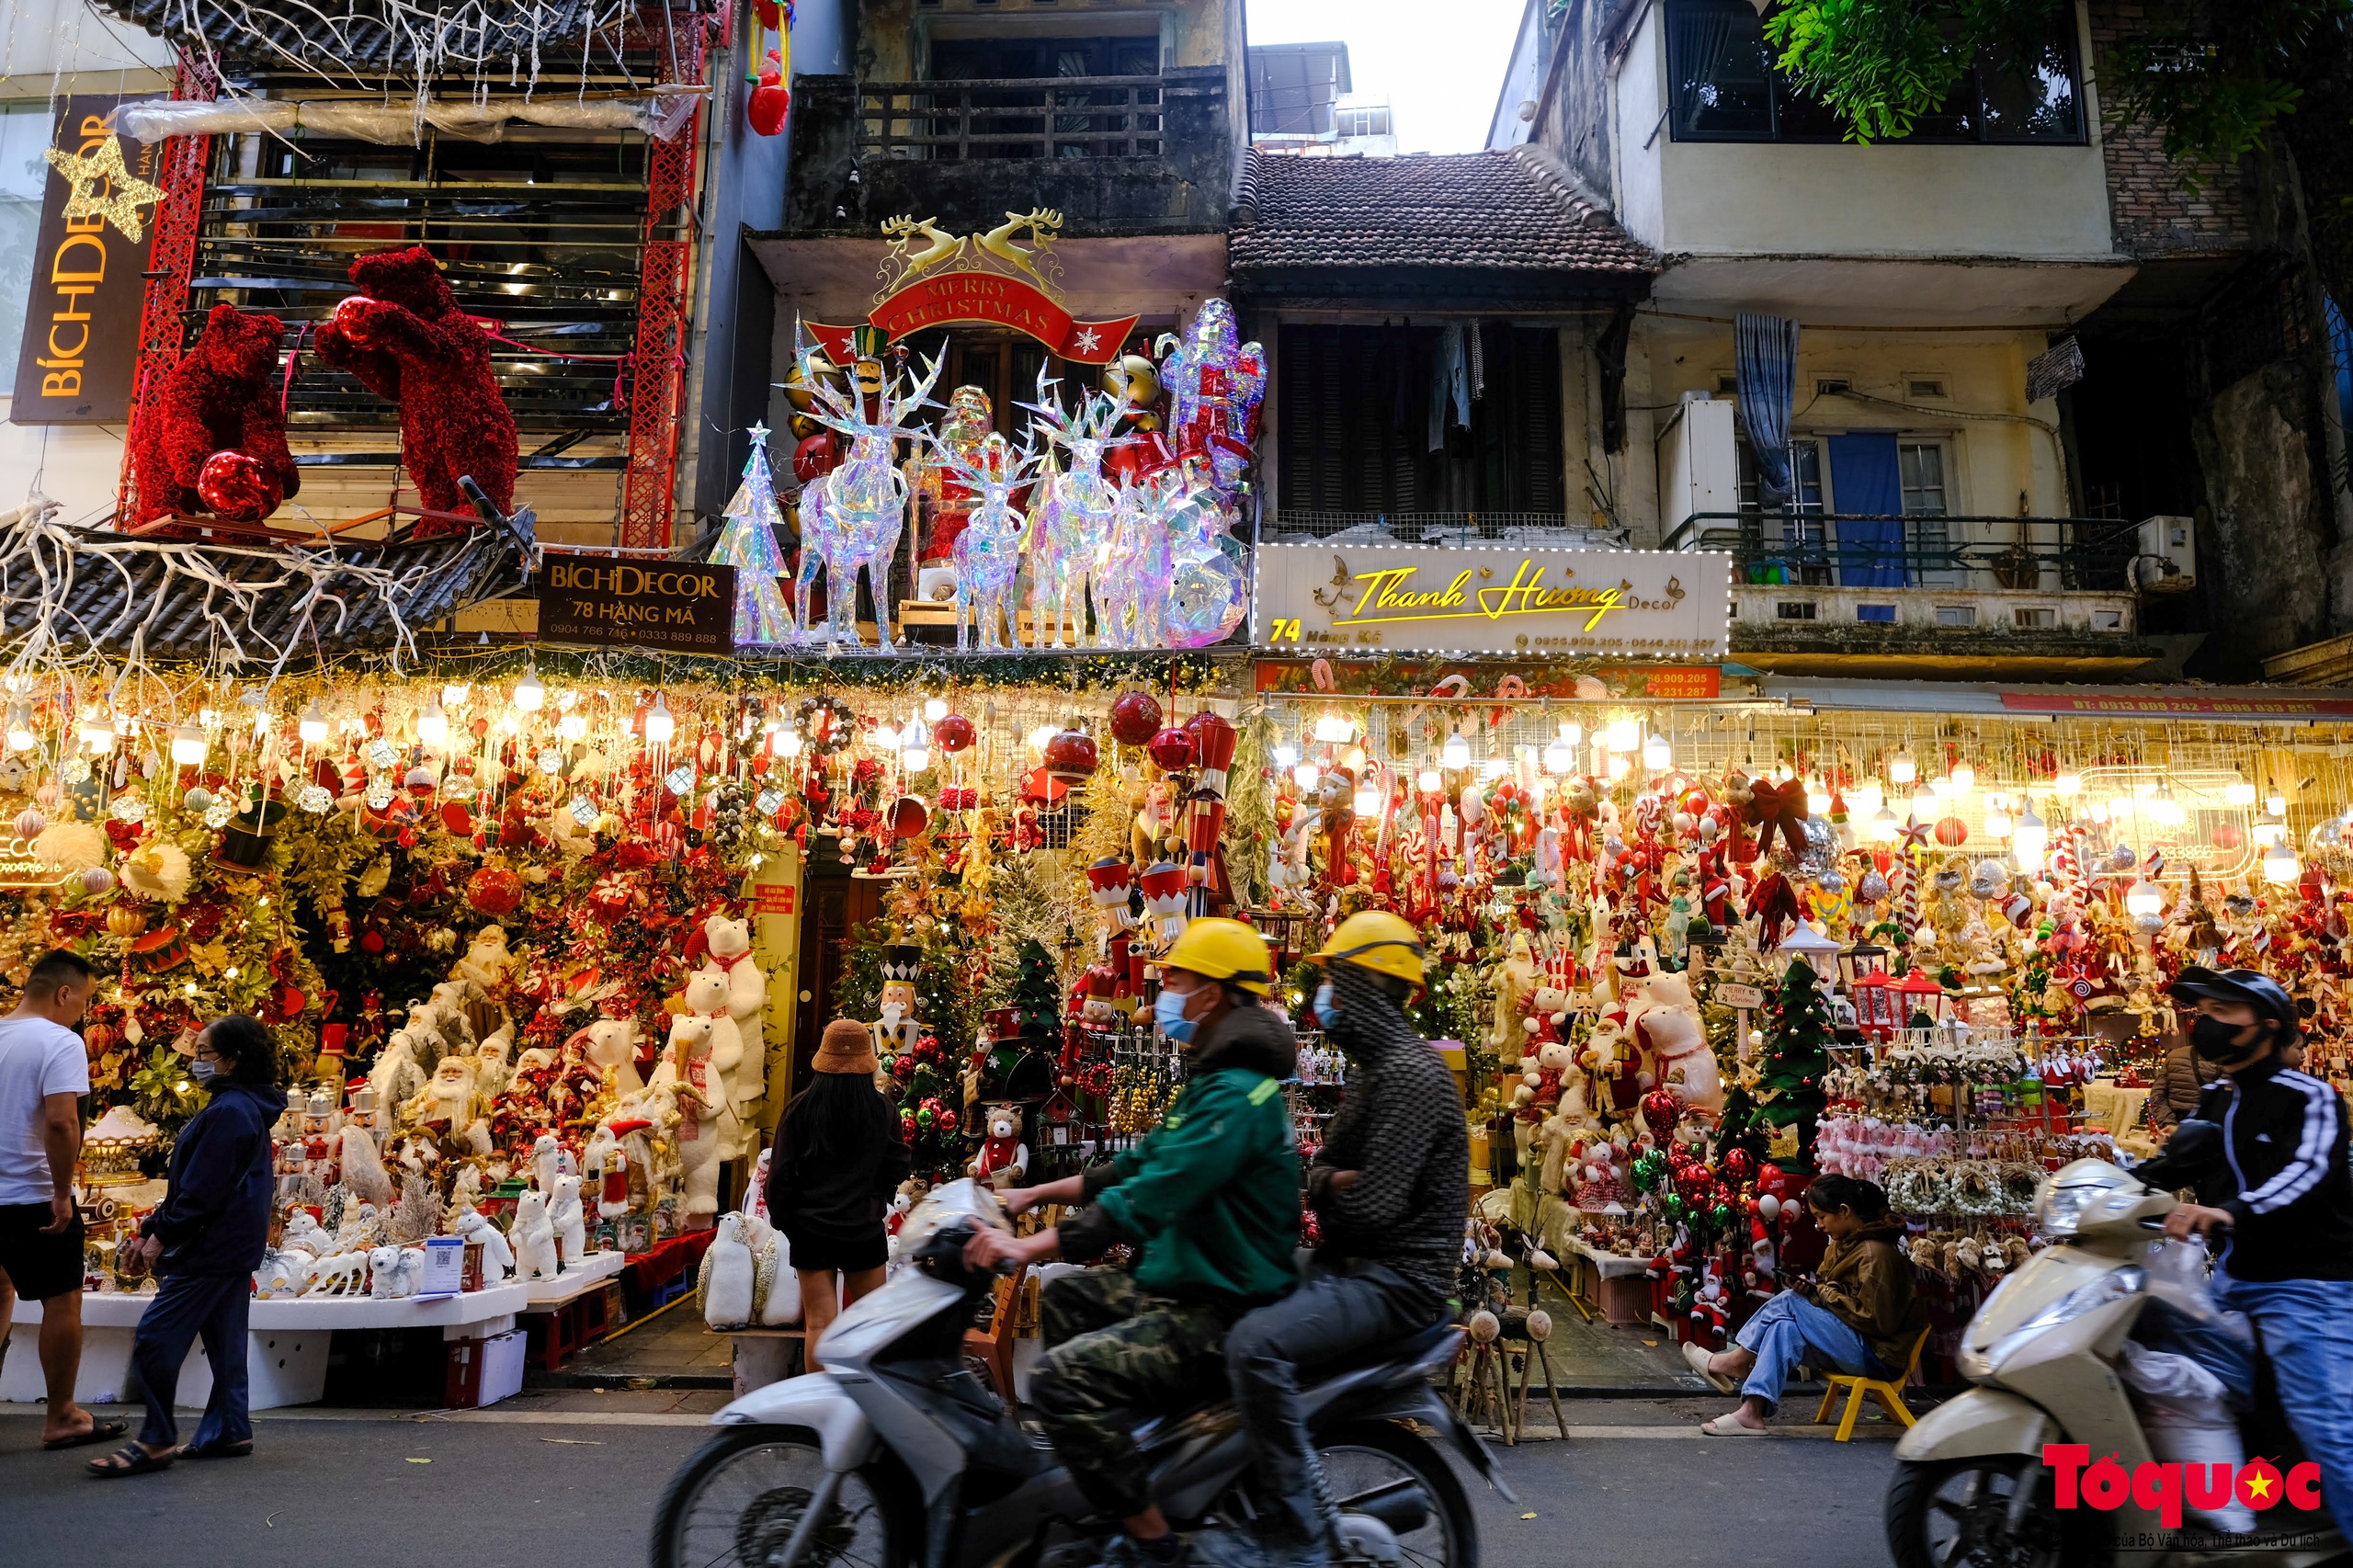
{"x": 1967, "y": 553}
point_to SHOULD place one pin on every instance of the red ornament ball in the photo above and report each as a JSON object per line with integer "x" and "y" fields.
{"x": 351, "y": 317}
{"x": 2228, "y": 836}
{"x": 1136, "y": 718}
{"x": 1172, "y": 749}
{"x": 237, "y": 488}
{"x": 1952, "y": 831}
{"x": 908, "y": 816}
{"x": 1737, "y": 1165}
{"x": 1069, "y": 756}
{"x": 816, "y": 457}
{"x": 953, "y": 734}
{"x": 494, "y": 890}
{"x": 1662, "y": 1108}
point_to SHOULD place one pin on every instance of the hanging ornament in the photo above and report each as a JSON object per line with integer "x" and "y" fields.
{"x": 1136, "y": 718}
{"x": 582, "y": 810}
{"x": 954, "y": 733}
{"x": 1172, "y": 750}
{"x": 237, "y": 488}
{"x": 378, "y": 795}
{"x": 314, "y": 799}
{"x": 1069, "y": 756}
{"x": 97, "y": 881}
{"x": 216, "y": 814}
{"x": 381, "y": 754}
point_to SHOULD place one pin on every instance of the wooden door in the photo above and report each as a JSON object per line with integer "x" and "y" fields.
{"x": 834, "y": 906}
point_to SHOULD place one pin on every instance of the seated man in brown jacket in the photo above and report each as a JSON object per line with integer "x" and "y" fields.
{"x": 1854, "y": 1315}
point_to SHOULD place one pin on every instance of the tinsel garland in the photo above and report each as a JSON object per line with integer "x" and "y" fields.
{"x": 1250, "y": 807}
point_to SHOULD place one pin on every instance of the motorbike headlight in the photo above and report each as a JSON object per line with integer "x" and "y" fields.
{"x": 2060, "y": 1206}
{"x": 2113, "y": 1286}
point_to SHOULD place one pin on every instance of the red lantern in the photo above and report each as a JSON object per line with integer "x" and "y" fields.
{"x": 953, "y": 734}
{"x": 1172, "y": 750}
{"x": 1952, "y": 831}
{"x": 1135, "y": 718}
{"x": 237, "y": 488}
{"x": 1069, "y": 756}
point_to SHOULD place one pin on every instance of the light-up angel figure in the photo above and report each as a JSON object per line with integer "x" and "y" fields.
{"x": 989, "y": 548}
{"x": 851, "y": 518}
{"x": 1071, "y": 514}
{"x": 1215, "y": 384}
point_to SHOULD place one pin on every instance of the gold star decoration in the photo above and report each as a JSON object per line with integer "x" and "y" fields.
{"x": 103, "y": 185}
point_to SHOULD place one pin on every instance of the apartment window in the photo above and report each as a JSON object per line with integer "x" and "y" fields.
{"x": 2108, "y": 621}
{"x": 1918, "y": 387}
{"x": 2035, "y": 619}
{"x": 1956, "y": 615}
{"x": 1794, "y": 609}
{"x": 1920, "y": 466}
{"x": 1725, "y": 87}
{"x": 1881, "y": 615}
{"x": 1373, "y": 121}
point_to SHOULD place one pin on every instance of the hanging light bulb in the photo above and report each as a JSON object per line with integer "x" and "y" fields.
{"x": 454, "y": 695}
{"x": 20, "y": 728}
{"x": 1039, "y": 736}
{"x": 917, "y": 736}
{"x": 188, "y": 745}
{"x": 659, "y": 725}
{"x": 2276, "y": 805}
{"x": 1492, "y": 768}
{"x": 1430, "y": 781}
{"x": 1285, "y": 755}
{"x": 2067, "y": 785}
{"x": 1332, "y": 727}
{"x": 1656, "y": 753}
{"x": 1562, "y": 754}
{"x": 1620, "y": 766}
{"x": 1964, "y": 778}
{"x": 886, "y": 738}
{"x": 2030, "y": 840}
{"x": 933, "y": 709}
{"x": 1622, "y": 736}
{"x": 1305, "y": 775}
{"x": 1924, "y": 808}
{"x": 530, "y": 696}
{"x": 1884, "y": 827}
{"x": 1997, "y": 820}
{"x": 98, "y": 731}
{"x": 2279, "y": 867}
{"x": 2096, "y": 811}
{"x": 1368, "y": 801}
{"x": 1353, "y": 760}
{"x": 2238, "y": 792}
{"x": 1901, "y": 769}
{"x": 788, "y": 742}
{"x": 914, "y": 759}
{"x": 1817, "y": 798}
{"x": 1865, "y": 799}
{"x": 571, "y": 727}
{"x": 2147, "y": 898}
{"x": 1456, "y": 752}
{"x": 2122, "y": 806}
{"x": 1572, "y": 733}
{"x": 2164, "y": 810}
{"x": 312, "y": 725}
{"x": 433, "y": 726}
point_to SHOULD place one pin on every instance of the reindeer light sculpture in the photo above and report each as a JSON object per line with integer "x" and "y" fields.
{"x": 1073, "y": 513}
{"x": 996, "y": 535}
{"x": 851, "y": 518}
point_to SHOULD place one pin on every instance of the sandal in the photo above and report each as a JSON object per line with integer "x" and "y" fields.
{"x": 132, "y": 1460}
{"x": 217, "y": 1450}
{"x": 1696, "y": 1359}
{"x": 101, "y": 1431}
{"x": 1725, "y": 1426}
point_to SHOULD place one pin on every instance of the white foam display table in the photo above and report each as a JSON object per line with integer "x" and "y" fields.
{"x": 576, "y": 1281}
{"x": 287, "y": 1342}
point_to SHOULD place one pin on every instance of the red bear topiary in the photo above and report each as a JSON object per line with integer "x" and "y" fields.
{"x": 222, "y": 398}
{"x": 408, "y": 341}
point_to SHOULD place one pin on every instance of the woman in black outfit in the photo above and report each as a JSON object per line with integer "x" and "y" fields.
{"x": 838, "y": 1158}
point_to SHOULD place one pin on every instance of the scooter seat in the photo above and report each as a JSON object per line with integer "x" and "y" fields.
{"x": 1417, "y": 1347}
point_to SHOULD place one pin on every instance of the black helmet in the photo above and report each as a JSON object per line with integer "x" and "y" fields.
{"x": 2259, "y": 990}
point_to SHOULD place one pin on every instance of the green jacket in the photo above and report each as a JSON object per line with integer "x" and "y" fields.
{"x": 1210, "y": 1195}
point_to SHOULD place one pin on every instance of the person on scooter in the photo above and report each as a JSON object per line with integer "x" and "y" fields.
{"x": 1855, "y": 1313}
{"x": 1212, "y": 1199}
{"x": 1390, "y": 1187}
{"x": 2286, "y": 1196}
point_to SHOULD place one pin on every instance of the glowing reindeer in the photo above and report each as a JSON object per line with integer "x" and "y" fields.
{"x": 989, "y": 550}
{"x": 1073, "y": 513}
{"x": 1132, "y": 569}
{"x": 850, "y": 519}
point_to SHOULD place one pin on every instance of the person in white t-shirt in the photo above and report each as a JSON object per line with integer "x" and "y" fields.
{"x": 45, "y": 1071}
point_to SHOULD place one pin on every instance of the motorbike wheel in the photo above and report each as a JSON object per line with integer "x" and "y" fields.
{"x": 1956, "y": 1514}
{"x": 737, "y": 1500}
{"x": 1367, "y": 1457}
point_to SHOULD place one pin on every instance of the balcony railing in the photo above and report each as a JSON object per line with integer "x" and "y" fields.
{"x": 1062, "y": 117}
{"x": 1962, "y": 552}
{"x": 1432, "y": 528}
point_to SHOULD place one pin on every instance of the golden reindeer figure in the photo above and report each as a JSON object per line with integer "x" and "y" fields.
{"x": 943, "y": 246}
{"x": 1044, "y": 225}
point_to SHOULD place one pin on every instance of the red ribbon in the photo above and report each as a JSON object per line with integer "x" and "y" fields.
{"x": 1779, "y": 807}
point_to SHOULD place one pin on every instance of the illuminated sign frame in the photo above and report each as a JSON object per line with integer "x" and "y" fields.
{"x": 1356, "y": 599}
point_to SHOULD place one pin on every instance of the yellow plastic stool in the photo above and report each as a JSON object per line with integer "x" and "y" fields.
{"x": 1889, "y": 1393}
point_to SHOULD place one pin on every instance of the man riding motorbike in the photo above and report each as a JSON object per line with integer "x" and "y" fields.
{"x": 1390, "y": 1186}
{"x": 2285, "y": 1194}
{"x": 1212, "y": 1198}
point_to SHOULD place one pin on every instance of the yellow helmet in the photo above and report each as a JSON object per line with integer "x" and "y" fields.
{"x": 1376, "y": 940}
{"x": 1226, "y": 950}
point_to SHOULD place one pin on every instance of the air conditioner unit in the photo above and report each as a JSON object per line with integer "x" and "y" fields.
{"x": 2167, "y": 560}
{"x": 1698, "y": 469}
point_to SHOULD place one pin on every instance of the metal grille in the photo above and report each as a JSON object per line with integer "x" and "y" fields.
{"x": 1070, "y": 117}
{"x": 162, "y": 332}
{"x": 664, "y": 285}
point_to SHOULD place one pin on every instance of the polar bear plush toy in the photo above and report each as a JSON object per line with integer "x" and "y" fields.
{"x": 729, "y": 944}
{"x": 1670, "y": 1027}
{"x": 702, "y": 1100}
{"x": 569, "y": 1221}
{"x": 394, "y": 1272}
{"x": 532, "y": 1239}
{"x": 612, "y": 1042}
{"x": 705, "y": 995}
{"x": 497, "y": 1258}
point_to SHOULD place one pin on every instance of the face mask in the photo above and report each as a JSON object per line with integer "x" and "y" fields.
{"x": 2218, "y": 1043}
{"x": 201, "y": 1069}
{"x": 1168, "y": 1012}
{"x": 1324, "y": 1005}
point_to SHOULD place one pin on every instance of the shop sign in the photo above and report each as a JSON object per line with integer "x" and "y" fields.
{"x": 1492, "y": 600}
{"x": 2125, "y": 705}
{"x": 1745, "y": 998}
{"x": 933, "y": 279}
{"x": 88, "y": 265}
{"x": 22, "y": 866}
{"x": 772, "y": 898}
{"x": 669, "y": 606}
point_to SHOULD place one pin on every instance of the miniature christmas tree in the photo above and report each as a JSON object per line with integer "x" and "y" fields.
{"x": 1775, "y": 1105}
{"x": 748, "y": 544}
{"x": 1037, "y": 995}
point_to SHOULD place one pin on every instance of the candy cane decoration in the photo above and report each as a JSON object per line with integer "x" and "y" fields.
{"x": 1905, "y": 880}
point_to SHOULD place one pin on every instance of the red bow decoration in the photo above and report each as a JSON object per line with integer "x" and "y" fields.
{"x": 1775, "y": 903}
{"x": 1780, "y": 807}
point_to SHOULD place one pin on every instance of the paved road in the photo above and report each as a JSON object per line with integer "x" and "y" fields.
{"x": 569, "y": 1480}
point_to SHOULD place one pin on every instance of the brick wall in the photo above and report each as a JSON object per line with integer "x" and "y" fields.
{"x": 2152, "y": 214}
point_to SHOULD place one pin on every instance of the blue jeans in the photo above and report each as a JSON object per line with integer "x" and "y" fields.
{"x": 187, "y": 1305}
{"x": 2306, "y": 1327}
{"x": 1784, "y": 1329}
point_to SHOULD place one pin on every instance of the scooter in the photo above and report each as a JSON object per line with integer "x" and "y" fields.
{"x": 1971, "y": 1485}
{"x": 897, "y": 1455}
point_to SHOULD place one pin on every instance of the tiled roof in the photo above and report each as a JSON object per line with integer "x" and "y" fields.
{"x": 1486, "y": 211}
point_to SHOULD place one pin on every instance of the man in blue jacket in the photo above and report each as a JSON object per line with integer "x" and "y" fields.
{"x": 2285, "y": 1196}
{"x": 208, "y": 1237}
